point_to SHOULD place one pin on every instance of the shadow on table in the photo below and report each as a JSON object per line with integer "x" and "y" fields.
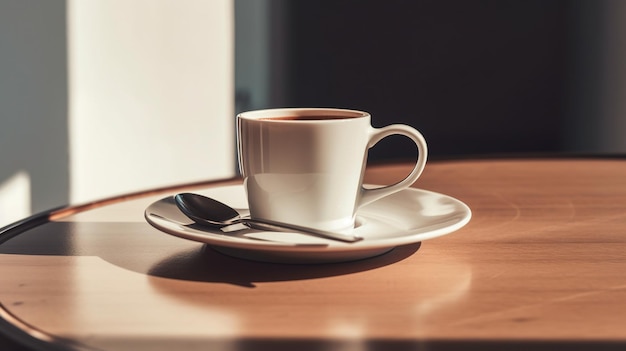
{"x": 429, "y": 345}
{"x": 140, "y": 248}
{"x": 208, "y": 265}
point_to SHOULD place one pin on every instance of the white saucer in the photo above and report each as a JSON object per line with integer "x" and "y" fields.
{"x": 407, "y": 217}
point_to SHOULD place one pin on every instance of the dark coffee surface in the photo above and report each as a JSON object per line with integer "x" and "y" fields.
{"x": 306, "y": 118}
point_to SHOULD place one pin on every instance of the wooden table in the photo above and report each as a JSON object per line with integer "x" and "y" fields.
{"x": 541, "y": 264}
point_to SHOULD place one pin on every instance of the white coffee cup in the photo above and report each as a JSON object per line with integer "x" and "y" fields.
{"x": 305, "y": 166}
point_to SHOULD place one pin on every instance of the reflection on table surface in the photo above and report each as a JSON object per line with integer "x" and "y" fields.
{"x": 539, "y": 265}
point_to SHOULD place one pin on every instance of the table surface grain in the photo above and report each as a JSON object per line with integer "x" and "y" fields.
{"x": 541, "y": 263}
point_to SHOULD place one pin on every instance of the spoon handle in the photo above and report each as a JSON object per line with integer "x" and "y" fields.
{"x": 271, "y": 225}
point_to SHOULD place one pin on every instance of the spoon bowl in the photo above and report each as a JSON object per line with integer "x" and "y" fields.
{"x": 207, "y": 211}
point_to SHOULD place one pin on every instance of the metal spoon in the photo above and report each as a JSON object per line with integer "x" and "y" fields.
{"x": 210, "y": 212}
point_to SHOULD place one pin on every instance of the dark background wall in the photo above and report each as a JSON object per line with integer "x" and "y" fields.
{"x": 476, "y": 77}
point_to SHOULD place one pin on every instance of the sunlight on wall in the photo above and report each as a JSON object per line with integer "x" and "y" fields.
{"x": 15, "y": 198}
{"x": 150, "y": 94}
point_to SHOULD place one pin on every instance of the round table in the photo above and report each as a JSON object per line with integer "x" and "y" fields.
{"x": 541, "y": 264}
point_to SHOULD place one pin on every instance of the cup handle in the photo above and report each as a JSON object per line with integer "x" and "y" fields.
{"x": 377, "y": 134}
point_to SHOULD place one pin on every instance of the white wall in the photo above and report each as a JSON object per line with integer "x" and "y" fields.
{"x": 34, "y": 171}
{"x": 151, "y": 94}
{"x": 102, "y": 97}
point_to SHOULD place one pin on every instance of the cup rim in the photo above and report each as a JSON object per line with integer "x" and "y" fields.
{"x": 264, "y": 114}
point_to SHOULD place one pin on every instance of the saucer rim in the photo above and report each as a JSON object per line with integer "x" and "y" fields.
{"x": 214, "y": 238}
